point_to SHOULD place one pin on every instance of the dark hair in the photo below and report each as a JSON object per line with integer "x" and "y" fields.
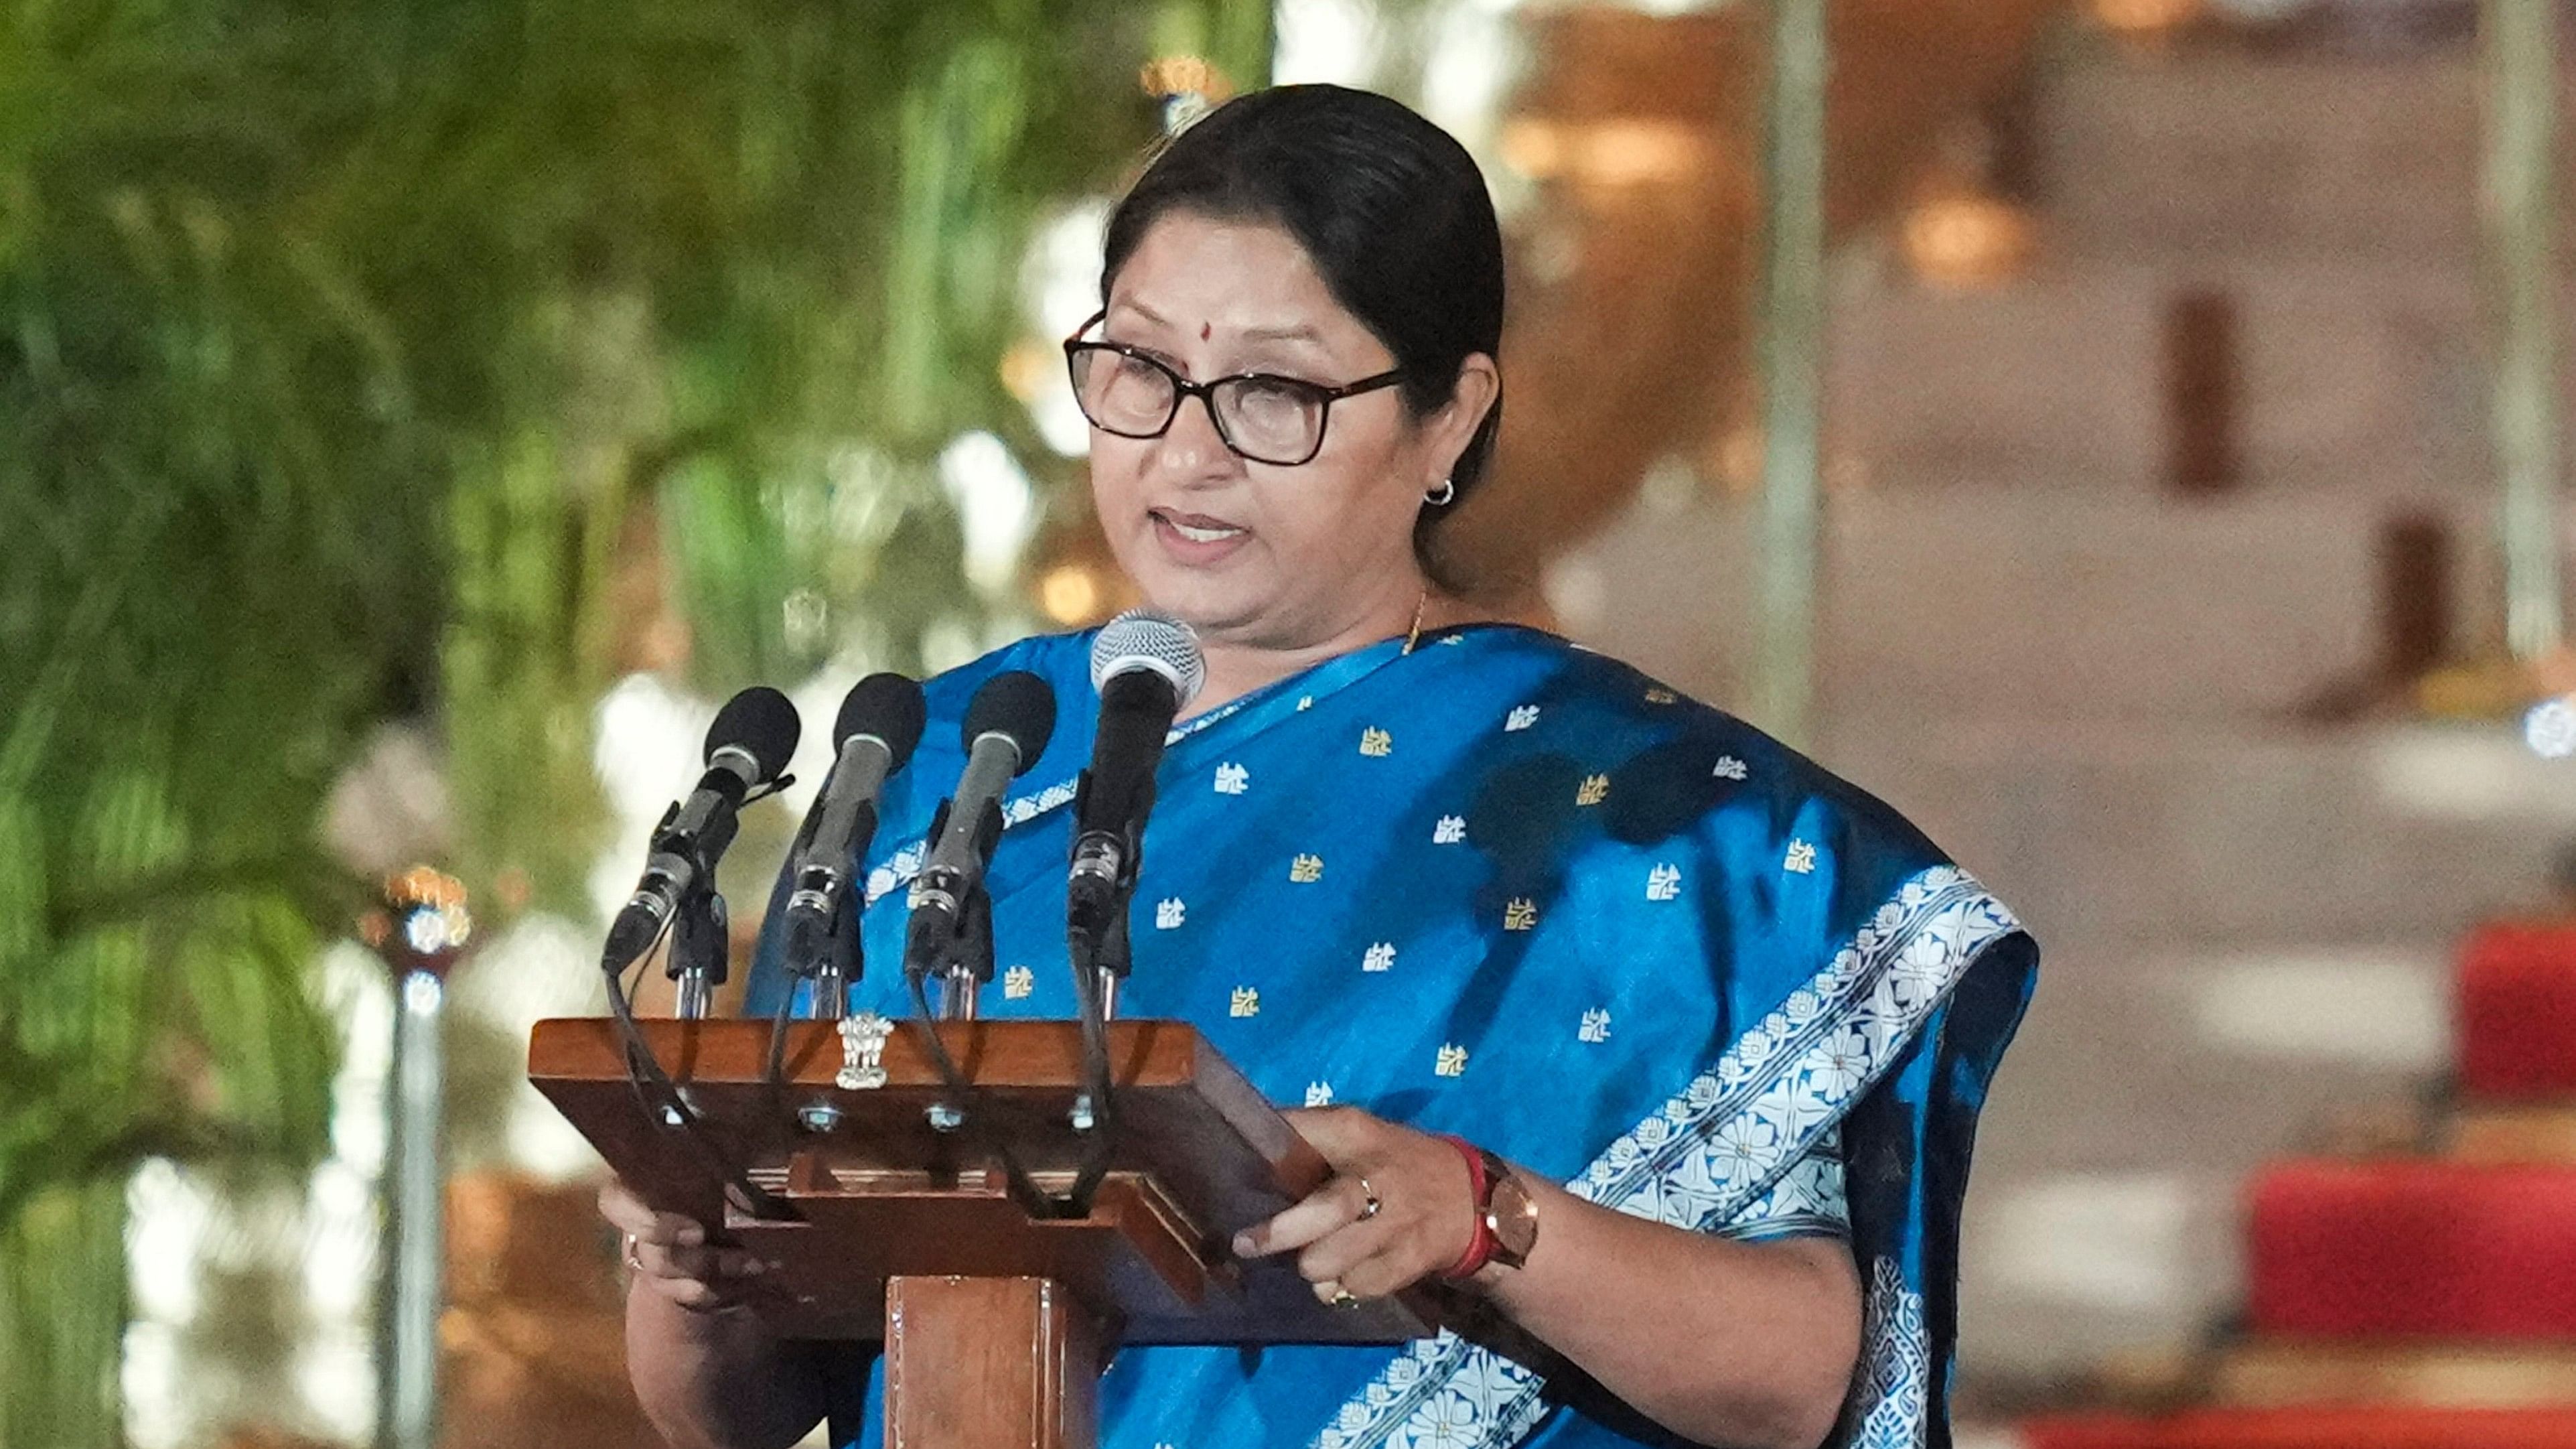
{"x": 1391, "y": 209}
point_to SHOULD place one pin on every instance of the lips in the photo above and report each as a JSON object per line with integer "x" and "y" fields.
{"x": 1198, "y": 527}
{"x": 1196, "y": 540}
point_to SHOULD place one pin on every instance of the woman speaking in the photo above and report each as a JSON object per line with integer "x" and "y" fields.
{"x": 1607, "y": 1010}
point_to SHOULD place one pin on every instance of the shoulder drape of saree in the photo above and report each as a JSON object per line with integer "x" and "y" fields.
{"x": 1716, "y": 1146}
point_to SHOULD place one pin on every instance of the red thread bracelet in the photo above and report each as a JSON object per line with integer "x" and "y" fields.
{"x": 1480, "y": 1247}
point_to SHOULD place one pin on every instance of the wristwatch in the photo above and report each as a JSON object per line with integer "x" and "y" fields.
{"x": 1510, "y": 1213}
{"x": 1506, "y": 1215}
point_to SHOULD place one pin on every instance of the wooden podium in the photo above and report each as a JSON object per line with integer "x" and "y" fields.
{"x": 893, "y": 1221}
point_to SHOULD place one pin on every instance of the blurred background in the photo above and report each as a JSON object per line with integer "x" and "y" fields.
{"x": 414, "y": 419}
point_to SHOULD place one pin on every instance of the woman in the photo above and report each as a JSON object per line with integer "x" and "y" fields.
{"x": 1546, "y": 923}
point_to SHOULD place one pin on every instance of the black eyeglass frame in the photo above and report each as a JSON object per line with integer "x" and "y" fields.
{"x": 1183, "y": 390}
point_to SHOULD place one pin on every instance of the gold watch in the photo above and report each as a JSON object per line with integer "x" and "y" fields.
{"x": 1510, "y": 1213}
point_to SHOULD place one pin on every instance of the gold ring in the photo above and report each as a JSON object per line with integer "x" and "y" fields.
{"x": 1345, "y": 1298}
{"x": 1369, "y": 1204}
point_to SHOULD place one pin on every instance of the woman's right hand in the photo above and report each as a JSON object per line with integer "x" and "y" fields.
{"x": 668, "y": 1254}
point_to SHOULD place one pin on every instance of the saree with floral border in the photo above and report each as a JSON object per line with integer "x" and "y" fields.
{"x": 1500, "y": 886}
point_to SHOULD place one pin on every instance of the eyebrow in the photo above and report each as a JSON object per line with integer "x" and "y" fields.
{"x": 1130, "y": 304}
{"x": 1298, "y": 333}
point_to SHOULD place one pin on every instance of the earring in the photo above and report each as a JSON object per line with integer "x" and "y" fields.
{"x": 1442, "y": 496}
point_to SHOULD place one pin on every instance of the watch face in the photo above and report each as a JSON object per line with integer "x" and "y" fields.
{"x": 1512, "y": 1216}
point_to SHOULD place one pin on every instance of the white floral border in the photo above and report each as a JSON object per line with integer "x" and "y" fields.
{"x": 1718, "y": 1146}
{"x": 1808, "y": 1198}
{"x": 1893, "y": 1402}
{"x": 900, "y": 868}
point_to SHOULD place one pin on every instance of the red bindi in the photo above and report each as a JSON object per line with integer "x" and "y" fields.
{"x": 1206, "y": 332}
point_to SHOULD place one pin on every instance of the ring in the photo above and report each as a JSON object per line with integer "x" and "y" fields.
{"x": 1345, "y": 1298}
{"x": 633, "y": 1263}
{"x": 1369, "y": 1205}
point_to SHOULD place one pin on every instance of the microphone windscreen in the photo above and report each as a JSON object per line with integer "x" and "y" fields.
{"x": 761, "y": 723}
{"x": 887, "y": 706}
{"x": 1015, "y": 704}
{"x": 1145, "y": 639}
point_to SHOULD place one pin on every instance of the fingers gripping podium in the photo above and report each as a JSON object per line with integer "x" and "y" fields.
{"x": 886, "y": 1216}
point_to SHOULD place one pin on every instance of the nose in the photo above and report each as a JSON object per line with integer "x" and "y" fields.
{"x": 1191, "y": 448}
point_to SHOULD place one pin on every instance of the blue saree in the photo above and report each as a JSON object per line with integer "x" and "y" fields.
{"x": 1499, "y": 886}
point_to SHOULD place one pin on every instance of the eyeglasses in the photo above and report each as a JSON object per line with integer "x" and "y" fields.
{"x": 1262, "y": 417}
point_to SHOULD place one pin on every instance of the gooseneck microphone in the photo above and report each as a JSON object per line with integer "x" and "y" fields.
{"x": 747, "y": 748}
{"x": 880, "y": 722}
{"x": 1148, "y": 668}
{"x": 1007, "y": 727}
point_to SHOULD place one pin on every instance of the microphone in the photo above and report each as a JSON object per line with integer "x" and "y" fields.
{"x": 879, "y": 723}
{"x": 747, "y": 747}
{"x": 1007, "y": 727}
{"x": 1148, "y": 668}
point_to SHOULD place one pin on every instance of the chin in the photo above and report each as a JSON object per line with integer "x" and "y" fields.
{"x": 1202, "y": 601}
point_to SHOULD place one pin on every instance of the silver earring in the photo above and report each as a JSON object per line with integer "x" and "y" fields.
{"x": 1442, "y": 496}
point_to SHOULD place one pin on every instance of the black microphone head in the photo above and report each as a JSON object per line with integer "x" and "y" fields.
{"x": 1018, "y": 706}
{"x": 887, "y": 706}
{"x": 1145, "y": 639}
{"x": 760, "y": 723}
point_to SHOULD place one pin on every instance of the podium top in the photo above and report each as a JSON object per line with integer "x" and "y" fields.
{"x": 855, "y": 1137}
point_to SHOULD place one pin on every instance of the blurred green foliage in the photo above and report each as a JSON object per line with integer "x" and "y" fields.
{"x": 350, "y": 355}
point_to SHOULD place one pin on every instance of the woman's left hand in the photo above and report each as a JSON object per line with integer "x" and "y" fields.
{"x": 1423, "y": 1221}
